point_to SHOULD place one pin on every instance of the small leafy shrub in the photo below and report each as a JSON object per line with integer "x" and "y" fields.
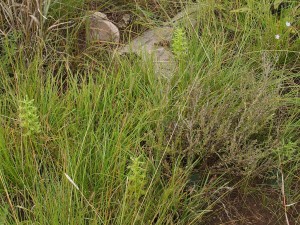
{"x": 227, "y": 121}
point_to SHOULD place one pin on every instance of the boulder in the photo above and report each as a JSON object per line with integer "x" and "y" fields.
{"x": 101, "y": 29}
{"x": 151, "y": 44}
{"x": 154, "y": 43}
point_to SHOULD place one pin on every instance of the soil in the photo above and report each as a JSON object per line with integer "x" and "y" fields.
{"x": 241, "y": 209}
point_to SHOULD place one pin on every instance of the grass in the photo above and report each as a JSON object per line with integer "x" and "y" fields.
{"x": 88, "y": 137}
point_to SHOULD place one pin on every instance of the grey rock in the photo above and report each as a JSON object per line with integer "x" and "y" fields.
{"x": 100, "y": 29}
{"x": 150, "y": 43}
{"x": 125, "y": 21}
{"x": 186, "y": 16}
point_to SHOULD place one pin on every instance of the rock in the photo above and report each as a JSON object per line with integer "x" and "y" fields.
{"x": 152, "y": 43}
{"x": 186, "y": 16}
{"x": 164, "y": 62}
{"x": 126, "y": 18}
{"x": 100, "y": 29}
{"x": 149, "y": 39}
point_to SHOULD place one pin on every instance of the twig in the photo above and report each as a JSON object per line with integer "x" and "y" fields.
{"x": 81, "y": 193}
{"x": 284, "y": 197}
{"x": 14, "y": 214}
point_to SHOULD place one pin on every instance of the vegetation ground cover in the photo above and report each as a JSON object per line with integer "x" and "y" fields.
{"x": 90, "y": 137}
